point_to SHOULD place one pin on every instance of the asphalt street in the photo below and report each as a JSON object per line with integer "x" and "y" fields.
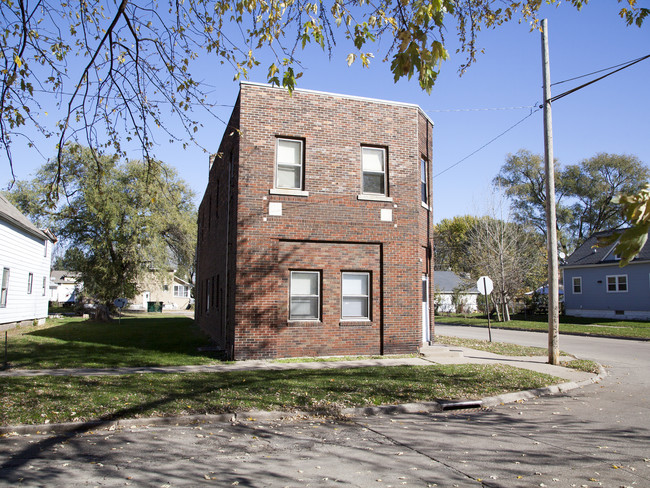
{"x": 598, "y": 435}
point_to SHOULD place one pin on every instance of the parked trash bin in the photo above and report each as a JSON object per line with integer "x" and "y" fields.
{"x": 154, "y": 306}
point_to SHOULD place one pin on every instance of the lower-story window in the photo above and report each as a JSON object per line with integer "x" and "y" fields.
{"x": 304, "y": 295}
{"x": 355, "y": 296}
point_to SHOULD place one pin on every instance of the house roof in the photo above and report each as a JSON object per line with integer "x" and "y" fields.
{"x": 588, "y": 255}
{"x": 447, "y": 281}
{"x": 62, "y": 276}
{"x": 13, "y": 216}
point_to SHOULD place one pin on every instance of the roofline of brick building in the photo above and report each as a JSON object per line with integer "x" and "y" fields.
{"x": 340, "y": 95}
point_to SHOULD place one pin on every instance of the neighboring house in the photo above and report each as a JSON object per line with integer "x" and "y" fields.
{"x": 162, "y": 292}
{"x": 315, "y": 230}
{"x": 65, "y": 286}
{"x": 595, "y": 285}
{"x": 448, "y": 283}
{"x": 25, "y": 255}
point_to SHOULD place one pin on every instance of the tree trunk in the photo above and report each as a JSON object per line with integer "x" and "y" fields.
{"x": 102, "y": 313}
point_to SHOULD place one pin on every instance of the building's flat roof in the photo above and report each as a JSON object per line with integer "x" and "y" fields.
{"x": 340, "y": 95}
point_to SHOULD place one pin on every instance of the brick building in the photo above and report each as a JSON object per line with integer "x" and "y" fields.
{"x": 315, "y": 230}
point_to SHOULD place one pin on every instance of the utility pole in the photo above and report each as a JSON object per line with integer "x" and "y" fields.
{"x": 551, "y": 219}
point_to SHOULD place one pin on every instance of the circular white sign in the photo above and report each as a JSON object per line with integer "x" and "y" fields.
{"x": 484, "y": 285}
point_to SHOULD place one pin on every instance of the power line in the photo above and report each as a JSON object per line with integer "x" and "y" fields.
{"x": 598, "y": 71}
{"x": 573, "y": 90}
{"x": 486, "y": 144}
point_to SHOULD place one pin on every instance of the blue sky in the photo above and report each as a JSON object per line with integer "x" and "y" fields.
{"x": 611, "y": 116}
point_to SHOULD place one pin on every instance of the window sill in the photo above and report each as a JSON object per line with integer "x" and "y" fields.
{"x": 303, "y": 323}
{"x": 359, "y": 322}
{"x": 424, "y": 205}
{"x": 374, "y": 198}
{"x": 287, "y": 191}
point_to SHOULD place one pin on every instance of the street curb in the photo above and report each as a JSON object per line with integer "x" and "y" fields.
{"x": 546, "y": 391}
{"x": 71, "y": 428}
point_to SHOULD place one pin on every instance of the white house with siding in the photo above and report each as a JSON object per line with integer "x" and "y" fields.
{"x": 25, "y": 256}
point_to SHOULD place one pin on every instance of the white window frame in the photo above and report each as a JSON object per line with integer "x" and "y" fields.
{"x": 181, "y": 291}
{"x": 315, "y": 318}
{"x": 424, "y": 181}
{"x": 617, "y": 283}
{"x": 578, "y": 280}
{"x": 301, "y": 164}
{"x": 365, "y": 317}
{"x": 30, "y": 283}
{"x": 4, "y": 289}
{"x": 44, "y": 284}
{"x": 384, "y": 173}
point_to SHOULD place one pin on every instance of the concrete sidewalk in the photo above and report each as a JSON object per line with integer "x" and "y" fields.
{"x": 436, "y": 354}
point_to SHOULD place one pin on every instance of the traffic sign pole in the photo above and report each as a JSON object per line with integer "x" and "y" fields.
{"x": 487, "y": 308}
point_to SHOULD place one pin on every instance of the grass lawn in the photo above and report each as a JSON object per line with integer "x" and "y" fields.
{"x": 502, "y": 348}
{"x": 140, "y": 340}
{"x": 581, "y": 325}
{"x": 44, "y": 399}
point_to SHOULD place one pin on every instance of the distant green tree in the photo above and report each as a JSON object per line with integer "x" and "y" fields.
{"x": 584, "y": 192}
{"x": 594, "y": 183}
{"x": 451, "y": 241}
{"x": 123, "y": 219}
{"x": 70, "y": 261}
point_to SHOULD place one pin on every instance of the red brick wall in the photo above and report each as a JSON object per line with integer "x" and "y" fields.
{"x": 330, "y": 230}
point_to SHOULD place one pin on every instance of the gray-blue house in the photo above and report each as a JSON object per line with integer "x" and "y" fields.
{"x": 595, "y": 285}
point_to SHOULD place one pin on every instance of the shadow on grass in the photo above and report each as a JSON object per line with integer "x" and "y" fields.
{"x": 136, "y": 341}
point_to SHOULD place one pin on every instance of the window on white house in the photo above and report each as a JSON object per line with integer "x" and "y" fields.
{"x": 289, "y": 164}
{"x": 616, "y": 283}
{"x": 44, "y": 284}
{"x": 181, "y": 291}
{"x": 373, "y": 165}
{"x": 355, "y": 296}
{"x": 30, "y": 283}
{"x": 5, "y": 287}
{"x": 424, "y": 169}
{"x": 577, "y": 285}
{"x": 304, "y": 295}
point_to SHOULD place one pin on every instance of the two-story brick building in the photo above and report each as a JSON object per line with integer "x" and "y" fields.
{"x": 315, "y": 230}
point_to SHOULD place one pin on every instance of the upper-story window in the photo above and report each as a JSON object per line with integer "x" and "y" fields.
{"x": 424, "y": 190}
{"x": 289, "y": 164}
{"x": 373, "y": 166}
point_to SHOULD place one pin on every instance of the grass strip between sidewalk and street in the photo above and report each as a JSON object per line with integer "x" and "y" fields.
{"x": 502, "y": 348}
{"x": 573, "y": 325}
{"x": 53, "y": 399}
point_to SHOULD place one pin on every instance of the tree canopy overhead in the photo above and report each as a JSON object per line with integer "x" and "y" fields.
{"x": 111, "y": 67}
